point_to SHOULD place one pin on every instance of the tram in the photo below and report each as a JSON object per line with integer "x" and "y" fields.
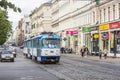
{"x": 44, "y": 47}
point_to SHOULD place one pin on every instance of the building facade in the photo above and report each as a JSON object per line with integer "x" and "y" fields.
{"x": 93, "y": 23}
{"x": 41, "y": 19}
{"x": 67, "y": 19}
{"x": 26, "y": 27}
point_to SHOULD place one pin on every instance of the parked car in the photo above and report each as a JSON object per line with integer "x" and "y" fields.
{"x": 1, "y": 49}
{"x": 13, "y": 50}
{"x": 7, "y": 55}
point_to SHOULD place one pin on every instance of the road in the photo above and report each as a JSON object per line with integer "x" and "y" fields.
{"x": 24, "y": 69}
{"x": 69, "y": 68}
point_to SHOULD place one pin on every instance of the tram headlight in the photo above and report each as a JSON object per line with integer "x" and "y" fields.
{"x": 57, "y": 52}
{"x": 44, "y": 52}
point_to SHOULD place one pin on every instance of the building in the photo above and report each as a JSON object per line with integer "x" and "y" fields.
{"x": 20, "y": 33}
{"x": 93, "y": 23}
{"x": 68, "y": 18}
{"x": 41, "y": 19}
{"x": 26, "y": 27}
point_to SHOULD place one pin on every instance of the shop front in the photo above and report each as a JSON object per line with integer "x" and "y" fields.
{"x": 115, "y": 38}
{"x": 94, "y": 40}
{"x": 104, "y": 37}
{"x": 87, "y": 37}
{"x": 72, "y": 40}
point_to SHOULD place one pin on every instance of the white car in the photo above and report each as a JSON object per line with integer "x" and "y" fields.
{"x": 7, "y": 55}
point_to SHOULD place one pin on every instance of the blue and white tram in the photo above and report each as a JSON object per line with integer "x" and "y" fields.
{"x": 27, "y": 48}
{"x": 45, "y": 47}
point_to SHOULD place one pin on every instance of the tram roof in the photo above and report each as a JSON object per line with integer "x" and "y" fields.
{"x": 43, "y": 36}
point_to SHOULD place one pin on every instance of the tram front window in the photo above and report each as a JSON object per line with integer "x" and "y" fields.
{"x": 51, "y": 43}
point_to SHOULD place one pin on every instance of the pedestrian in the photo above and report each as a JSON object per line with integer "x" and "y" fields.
{"x": 86, "y": 51}
{"x": 82, "y": 51}
{"x": 105, "y": 53}
{"x": 100, "y": 54}
{"x": 62, "y": 49}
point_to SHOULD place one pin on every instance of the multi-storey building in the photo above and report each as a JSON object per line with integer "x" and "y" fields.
{"x": 15, "y": 35}
{"x": 26, "y": 27}
{"x": 93, "y": 23}
{"x": 20, "y": 33}
{"x": 67, "y": 17}
{"x": 41, "y": 19}
{"x": 108, "y": 23}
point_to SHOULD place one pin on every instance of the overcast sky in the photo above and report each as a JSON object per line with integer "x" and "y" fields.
{"x": 26, "y": 6}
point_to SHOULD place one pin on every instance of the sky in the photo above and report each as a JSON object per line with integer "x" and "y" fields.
{"x": 26, "y": 6}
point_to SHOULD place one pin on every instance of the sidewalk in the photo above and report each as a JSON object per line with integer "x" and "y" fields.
{"x": 95, "y": 58}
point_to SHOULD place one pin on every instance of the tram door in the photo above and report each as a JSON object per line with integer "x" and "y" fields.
{"x": 38, "y": 48}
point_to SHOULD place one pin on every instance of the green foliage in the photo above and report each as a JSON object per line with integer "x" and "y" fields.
{"x": 5, "y": 27}
{"x": 5, "y": 4}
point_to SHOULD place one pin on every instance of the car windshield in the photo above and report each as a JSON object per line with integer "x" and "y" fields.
{"x": 51, "y": 43}
{"x": 7, "y": 52}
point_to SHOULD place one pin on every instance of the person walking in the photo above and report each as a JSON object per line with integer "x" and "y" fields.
{"x": 62, "y": 50}
{"x": 86, "y": 51}
{"x": 105, "y": 53}
{"x": 100, "y": 54}
{"x": 82, "y": 51}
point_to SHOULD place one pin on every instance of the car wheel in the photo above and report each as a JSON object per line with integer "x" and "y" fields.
{"x": 12, "y": 60}
{"x": 1, "y": 60}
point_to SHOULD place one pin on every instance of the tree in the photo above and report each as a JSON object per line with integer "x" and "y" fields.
{"x": 5, "y": 5}
{"x": 5, "y": 24}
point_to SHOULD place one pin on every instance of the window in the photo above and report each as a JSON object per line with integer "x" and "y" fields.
{"x": 104, "y": 15}
{"x": 113, "y": 12}
{"x": 100, "y": 16}
{"x": 93, "y": 16}
{"x": 51, "y": 43}
{"x": 108, "y": 13}
{"x": 119, "y": 10}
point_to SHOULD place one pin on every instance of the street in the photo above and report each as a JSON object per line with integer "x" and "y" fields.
{"x": 69, "y": 68}
{"x": 24, "y": 69}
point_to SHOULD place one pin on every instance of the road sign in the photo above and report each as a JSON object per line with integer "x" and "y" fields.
{"x": 64, "y": 39}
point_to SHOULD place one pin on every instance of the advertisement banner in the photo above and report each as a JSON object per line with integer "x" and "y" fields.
{"x": 86, "y": 29}
{"x": 71, "y": 32}
{"x": 114, "y": 25}
{"x": 104, "y": 27}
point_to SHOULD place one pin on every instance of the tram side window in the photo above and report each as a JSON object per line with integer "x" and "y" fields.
{"x": 35, "y": 43}
{"x": 24, "y": 44}
{"x": 29, "y": 45}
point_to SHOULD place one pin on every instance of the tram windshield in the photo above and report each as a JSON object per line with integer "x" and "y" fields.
{"x": 51, "y": 43}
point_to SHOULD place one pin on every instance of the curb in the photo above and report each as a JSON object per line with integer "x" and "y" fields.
{"x": 96, "y": 58}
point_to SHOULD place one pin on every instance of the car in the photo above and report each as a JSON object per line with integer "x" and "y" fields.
{"x": 2, "y": 49}
{"x": 7, "y": 55}
{"x": 13, "y": 52}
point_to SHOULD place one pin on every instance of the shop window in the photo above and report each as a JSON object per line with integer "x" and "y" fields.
{"x": 95, "y": 44}
{"x": 112, "y": 42}
{"x": 105, "y": 44}
{"x": 118, "y": 41}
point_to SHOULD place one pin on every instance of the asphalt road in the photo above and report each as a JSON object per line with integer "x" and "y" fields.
{"x": 69, "y": 68}
{"x": 24, "y": 69}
